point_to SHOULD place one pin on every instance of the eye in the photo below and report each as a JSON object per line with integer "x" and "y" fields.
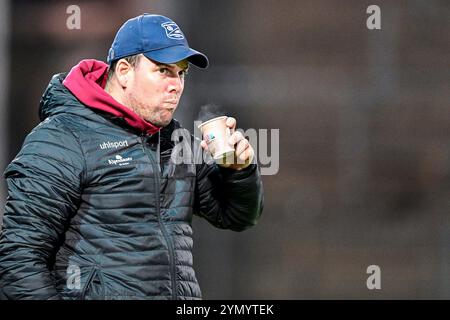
{"x": 183, "y": 73}
{"x": 164, "y": 70}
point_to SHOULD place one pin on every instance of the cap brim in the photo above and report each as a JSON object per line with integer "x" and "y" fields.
{"x": 177, "y": 53}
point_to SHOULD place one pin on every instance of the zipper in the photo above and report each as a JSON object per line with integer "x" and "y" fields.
{"x": 92, "y": 274}
{"x": 157, "y": 171}
{"x": 88, "y": 283}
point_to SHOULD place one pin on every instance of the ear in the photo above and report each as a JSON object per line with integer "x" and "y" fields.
{"x": 123, "y": 72}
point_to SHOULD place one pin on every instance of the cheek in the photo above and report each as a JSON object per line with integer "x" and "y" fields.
{"x": 143, "y": 89}
{"x": 152, "y": 87}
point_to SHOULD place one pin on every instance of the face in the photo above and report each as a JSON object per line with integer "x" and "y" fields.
{"x": 153, "y": 90}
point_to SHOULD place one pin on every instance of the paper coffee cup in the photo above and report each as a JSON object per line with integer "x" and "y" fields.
{"x": 216, "y": 134}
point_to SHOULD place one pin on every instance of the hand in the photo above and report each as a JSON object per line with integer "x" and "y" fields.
{"x": 244, "y": 152}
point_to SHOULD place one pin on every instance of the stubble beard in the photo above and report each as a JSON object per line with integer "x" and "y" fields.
{"x": 152, "y": 115}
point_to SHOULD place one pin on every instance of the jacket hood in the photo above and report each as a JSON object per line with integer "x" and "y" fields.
{"x": 85, "y": 83}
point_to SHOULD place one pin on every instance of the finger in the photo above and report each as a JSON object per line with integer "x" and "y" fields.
{"x": 231, "y": 122}
{"x": 242, "y": 146}
{"x": 204, "y": 145}
{"x": 236, "y": 137}
{"x": 246, "y": 156}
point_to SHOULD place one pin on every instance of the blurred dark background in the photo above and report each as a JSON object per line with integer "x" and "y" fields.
{"x": 364, "y": 173}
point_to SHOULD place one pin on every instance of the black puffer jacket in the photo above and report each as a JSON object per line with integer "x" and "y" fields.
{"x": 91, "y": 196}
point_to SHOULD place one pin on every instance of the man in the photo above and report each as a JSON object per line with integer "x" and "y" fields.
{"x": 96, "y": 207}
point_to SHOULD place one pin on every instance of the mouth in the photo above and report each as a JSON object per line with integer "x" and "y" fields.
{"x": 170, "y": 108}
{"x": 173, "y": 101}
{"x": 170, "y": 105}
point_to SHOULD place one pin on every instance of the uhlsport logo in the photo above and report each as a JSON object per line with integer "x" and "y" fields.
{"x": 119, "y": 160}
{"x": 113, "y": 144}
{"x": 172, "y": 30}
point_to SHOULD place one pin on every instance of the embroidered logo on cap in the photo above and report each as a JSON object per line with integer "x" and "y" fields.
{"x": 172, "y": 30}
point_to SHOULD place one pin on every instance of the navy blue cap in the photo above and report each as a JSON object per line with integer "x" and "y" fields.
{"x": 156, "y": 37}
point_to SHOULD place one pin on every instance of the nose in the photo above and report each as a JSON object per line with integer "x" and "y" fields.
{"x": 176, "y": 85}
